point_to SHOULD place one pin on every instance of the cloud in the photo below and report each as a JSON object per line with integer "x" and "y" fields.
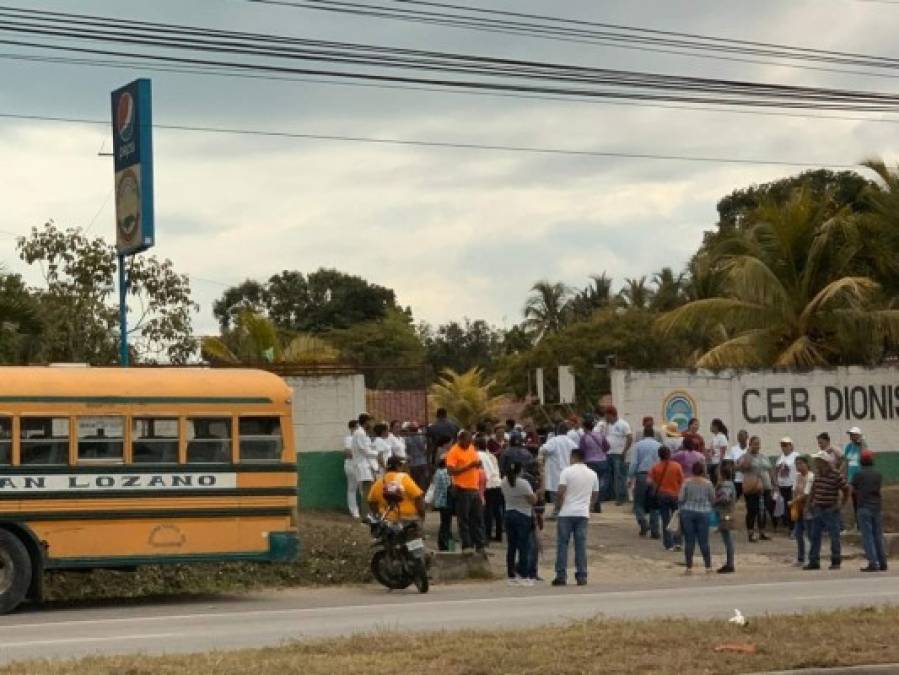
{"x": 455, "y": 232}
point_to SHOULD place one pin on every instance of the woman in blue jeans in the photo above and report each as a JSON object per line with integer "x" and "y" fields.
{"x": 519, "y": 520}
{"x": 696, "y": 502}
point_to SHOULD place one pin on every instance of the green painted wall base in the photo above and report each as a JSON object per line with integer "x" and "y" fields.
{"x": 322, "y": 483}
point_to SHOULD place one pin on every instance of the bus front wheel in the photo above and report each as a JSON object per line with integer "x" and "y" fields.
{"x": 15, "y": 571}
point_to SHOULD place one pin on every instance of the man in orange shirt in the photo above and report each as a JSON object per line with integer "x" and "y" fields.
{"x": 464, "y": 466}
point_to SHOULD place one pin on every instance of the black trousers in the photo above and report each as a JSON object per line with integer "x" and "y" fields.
{"x": 753, "y": 513}
{"x": 470, "y": 516}
{"x": 494, "y": 513}
{"x": 446, "y": 529}
{"x": 787, "y": 494}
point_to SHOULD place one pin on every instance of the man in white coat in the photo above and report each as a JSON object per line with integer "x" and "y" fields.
{"x": 363, "y": 456}
{"x": 556, "y": 454}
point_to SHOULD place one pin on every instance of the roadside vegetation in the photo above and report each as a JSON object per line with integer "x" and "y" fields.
{"x": 596, "y": 646}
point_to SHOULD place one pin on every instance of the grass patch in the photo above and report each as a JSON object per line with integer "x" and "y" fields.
{"x": 334, "y": 550}
{"x": 596, "y": 646}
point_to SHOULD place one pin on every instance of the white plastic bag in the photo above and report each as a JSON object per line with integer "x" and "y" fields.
{"x": 779, "y": 506}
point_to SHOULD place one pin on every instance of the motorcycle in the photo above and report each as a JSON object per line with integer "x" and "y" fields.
{"x": 400, "y": 557}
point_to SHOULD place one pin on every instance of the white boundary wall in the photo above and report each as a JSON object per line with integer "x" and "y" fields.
{"x": 322, "y": 406}
{"x": 770, "y": 404}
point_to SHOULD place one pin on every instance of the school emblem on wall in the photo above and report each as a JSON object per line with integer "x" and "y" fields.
{"x": 679, "y": 407}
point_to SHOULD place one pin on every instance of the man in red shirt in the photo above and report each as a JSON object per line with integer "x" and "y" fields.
{"x": 464, "y": 466}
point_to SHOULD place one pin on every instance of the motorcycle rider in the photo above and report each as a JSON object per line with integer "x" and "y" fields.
{"x": 395, "y": 495}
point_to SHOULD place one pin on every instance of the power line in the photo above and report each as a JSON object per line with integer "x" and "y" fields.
{"x": 447, "y": 144}
{"x": 230, "y": 73}
{"x": 587, "y": 32}
{"x": 504, "y": 74}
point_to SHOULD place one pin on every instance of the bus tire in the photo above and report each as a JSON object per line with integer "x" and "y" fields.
{"x": 15, "y": 571}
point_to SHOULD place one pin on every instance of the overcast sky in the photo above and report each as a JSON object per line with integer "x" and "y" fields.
{"x": 454, "y": 232}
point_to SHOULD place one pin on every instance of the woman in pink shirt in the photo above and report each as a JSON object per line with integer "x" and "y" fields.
{"x": 688, "y": 455}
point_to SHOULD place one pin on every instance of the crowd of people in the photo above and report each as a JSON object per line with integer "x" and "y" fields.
{"x": 504, "y": 480}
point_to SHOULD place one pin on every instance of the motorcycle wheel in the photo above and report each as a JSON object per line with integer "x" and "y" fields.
{"x": 421, "y": 578}
{"x": 380, "y": 564}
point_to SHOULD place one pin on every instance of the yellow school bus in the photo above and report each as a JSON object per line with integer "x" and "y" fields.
{"x": 118, "y": 467}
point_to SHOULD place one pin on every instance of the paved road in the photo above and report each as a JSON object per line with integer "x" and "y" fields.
{"x": 271, "y": 618}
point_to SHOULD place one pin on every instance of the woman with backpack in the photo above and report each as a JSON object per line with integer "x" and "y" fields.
{"x": 596, "y": 448}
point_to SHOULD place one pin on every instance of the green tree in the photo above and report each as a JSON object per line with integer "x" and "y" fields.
{"x": 461, "y": 346}
{"x": 465, "y": 396}
{"x": 21, "y": 321}
{"x": 594, "y": 296}
{"x": 545, "y": 311}
{"x": 669, "y": 290}
{"x": 791, "y": 299}
{"x": 80, "y": 303}
{"x": 256, "y": 339}
{"x": 636, "y": 293}
{"x": 319, "y": 302}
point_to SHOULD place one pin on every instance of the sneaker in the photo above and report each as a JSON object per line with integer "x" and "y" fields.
{"x": 883, "y": 567}
{"x": 678, "y": 547}
{"x": 726, "y": 569}
{"x": 669, "y": 549}
{"x": 644, "y": 530}
{"x": 834, "y": 566}
{"x": 812, "y": 566}
{"x": 870, "y": 568}
{"x": 581, "y": 582}
{"x": 751, "y": 538}
{"x": 526, "y": 582}
{"x": 559, "y": 582}
{"x": 513, "y": 581}
{"x": 764, "y": 537}
{"x": 655, "y": 536}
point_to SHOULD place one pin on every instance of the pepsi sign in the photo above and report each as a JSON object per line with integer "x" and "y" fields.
{"x": 132, "y": 146}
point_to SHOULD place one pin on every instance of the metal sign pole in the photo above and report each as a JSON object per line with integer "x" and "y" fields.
{"x": 123, "y": 313}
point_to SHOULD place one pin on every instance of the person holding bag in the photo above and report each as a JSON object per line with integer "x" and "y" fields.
{"x": 756, "y": 471}
{"x": 725, "y": 504}
{"x": 663, "y": 488}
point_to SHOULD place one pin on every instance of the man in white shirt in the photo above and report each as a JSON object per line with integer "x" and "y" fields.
{"x": 363, "y": 456}
{"x": 556, "y": 455}
{"x": 396, "y": 442}
{"x": 734, "y": 454}
{"x": 349, "y": 470}
{"x": 620, "y": 438}
{"x": 785, "y": 470}
{"x": 578, "y": 490}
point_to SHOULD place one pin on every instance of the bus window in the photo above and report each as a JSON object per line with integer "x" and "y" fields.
{"x": 260, "y": 439}
{"x": 155, "y": 440}
{"x": 45, "y": 440}
{"x": 208, "y": 439}
{"x": 5, "y": 440}
{"x": 101, "y": 439}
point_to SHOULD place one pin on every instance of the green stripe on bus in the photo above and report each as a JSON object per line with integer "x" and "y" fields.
{"x": 40, "y": 469}
{"x": 167, "y": 493}
{"x": 123, "y": 400}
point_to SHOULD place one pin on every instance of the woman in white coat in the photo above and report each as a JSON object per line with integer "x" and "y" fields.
{"x": 556, "y": 454}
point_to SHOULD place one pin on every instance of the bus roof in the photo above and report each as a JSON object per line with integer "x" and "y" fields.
{"x": 37, "y": 382}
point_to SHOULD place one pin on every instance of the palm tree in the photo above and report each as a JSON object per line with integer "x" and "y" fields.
{"x": 466, "y": 396}
{"x": 594, "y": 296}
{"x": 546, "y": 310}
{"x": 669, "y": 289}
{"x": 636, "y": 293}
{"x": 705, "y": 278}
{"x": 879, "y": 230}
{"x": 788, "y": 300}
{"x": 256, "y": 339}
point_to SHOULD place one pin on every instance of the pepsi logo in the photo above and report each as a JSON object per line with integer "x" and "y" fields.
{"x": 124, "y": 117}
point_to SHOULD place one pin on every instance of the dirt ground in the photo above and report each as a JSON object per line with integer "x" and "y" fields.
{"x": 617, "y": 555}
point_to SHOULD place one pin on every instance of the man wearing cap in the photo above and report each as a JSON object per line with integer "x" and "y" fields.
{"x": 829, "y": 491}
{"x": 866, "y": 486}
{"x": 620, "y": 438}
{"x": 785, "y": 470}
